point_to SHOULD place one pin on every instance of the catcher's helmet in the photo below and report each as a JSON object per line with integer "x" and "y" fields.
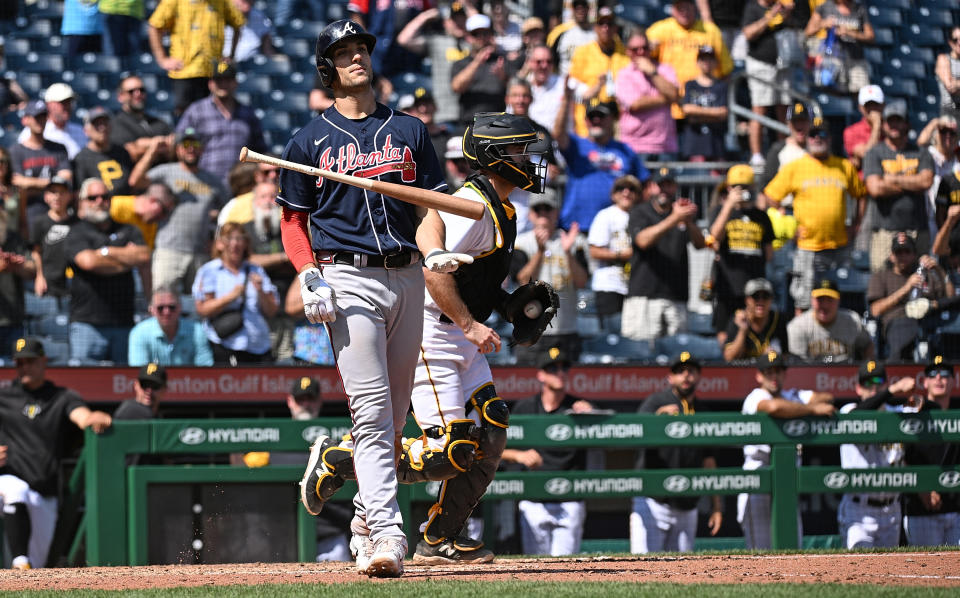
{"x": 333, "y": 33}
{"x": 485, "y": 145}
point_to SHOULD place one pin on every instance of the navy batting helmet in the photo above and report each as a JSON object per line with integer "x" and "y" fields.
{"x": 485, "y": 145}
{"x": 333, "y": 33}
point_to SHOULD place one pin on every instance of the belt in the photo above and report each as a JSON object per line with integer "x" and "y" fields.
{"x": 366, "y": 260}
{"x": 874, "y": 502}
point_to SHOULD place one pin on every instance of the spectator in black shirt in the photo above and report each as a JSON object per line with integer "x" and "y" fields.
{"x": 35, "y": 161}
{"x": 108, "y": 161}
{"x": 669, "y": 523}
{"x": 33, "y": 416}
{"x": 481, "y": 78}
{"x": 932, "y": 518}
{"x": 136, "y": 129}
{"x": 755, "y": 329}
{"x": 743, "y": 238}
{"x": 15, "y": 267}
{"x": 103, "y": 255}
{"x": 149, "y": 388}
{"x": 554, "y": 528}
{"x": 47, "y": 234}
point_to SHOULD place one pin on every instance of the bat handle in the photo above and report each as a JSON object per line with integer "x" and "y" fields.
{"x": 243, "y": 154}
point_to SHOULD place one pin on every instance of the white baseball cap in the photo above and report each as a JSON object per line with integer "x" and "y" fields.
{"x": 478, "y": 21}
{"x": 454, "y": 148}
{"x": 870, "y": 93}
{"x": 58, "y": 92}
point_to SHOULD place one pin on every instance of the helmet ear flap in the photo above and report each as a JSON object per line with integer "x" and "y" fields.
{"x": 326, "y": 70}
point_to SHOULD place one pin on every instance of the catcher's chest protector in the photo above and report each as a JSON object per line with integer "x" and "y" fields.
{"x": 477, "y": 282}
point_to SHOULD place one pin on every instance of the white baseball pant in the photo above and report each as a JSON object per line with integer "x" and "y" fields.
{"x": 932, "y": 530}
{"x": 658, "y": 527}
{"x": 376, "y": 340}
{"x": 554, "y": 528}
{"x": 753, "y": 514}
{"x": 865, "y": 526}
{"x": 42, "y": 511}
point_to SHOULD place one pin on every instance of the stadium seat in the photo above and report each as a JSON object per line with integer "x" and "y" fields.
{"x": 57, "y": 351}
{"x": 886, "y": 17}
{"x": 930, "y": 17}
{"x": 883, "y": 36}
{"x": 613, "y": 348}
{"x": 899, "y": 67}
{"x": 17, "y": 47}
{"x": 254, "y": 83}
{"x": 836, "y": 106}
{"x": 301, "y": 29}
{"x": 410, "y": 82}
{"x": 147, "y": 64}
{"x": 860, "y": 260}
{"x": 923, "y": 36}
{"x": 55, "y": 326}
{"x": 900, "y": 4}
{"x": 296, "y": 48}
{"x": 265, "y": 66}
{"x": 588, "y": 325}
{"x": 899, "y": 86}
{"x": 45, "y": 64}
{"x": 874, "y": 56}
{"x": 297, "y": 102}
{"x": 298, "y": 81}
{"x": 586, "y": 302}
{"x": 336, "y": 11}
{"x": 32, "y": 83}
{"x": 38, "y": 27}
{"x": 703, "y": 348}
{"x": 99, "y": 63}
{"x": 701, "y": 324}
{"x": 924, "y": 55}
{"x": 276, "y": 120}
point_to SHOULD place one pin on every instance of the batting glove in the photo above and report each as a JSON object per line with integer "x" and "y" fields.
{"x": 442, "y": 261}
{"x": 318, "y": 298}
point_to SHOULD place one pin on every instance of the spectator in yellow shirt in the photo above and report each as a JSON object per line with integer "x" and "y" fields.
{"x": 820, "y": 183}
{"x": 197, "y": 30}
{"x": 144, "y": 211}
{"x": 677, "y": 39}
{"x": 594, "y": 68}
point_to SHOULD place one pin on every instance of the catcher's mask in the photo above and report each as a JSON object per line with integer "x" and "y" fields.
{"x": 487, "y": 146}
{"x": 329, "y": 36}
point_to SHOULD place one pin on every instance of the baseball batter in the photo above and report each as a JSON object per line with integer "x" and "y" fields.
{"x": 463, "y": 419}
{"x": 33, "y": 413}
{"x": 753, "y": 510}
{"x": 359, "y": 269}
{"x": 873, "y": 520}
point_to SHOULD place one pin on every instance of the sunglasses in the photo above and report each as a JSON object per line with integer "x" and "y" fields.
{"x": 191, "y": 144}
{"x": 955, "y": 39}
{"x": 555, "y": 368}
{"x": 4, "y": 161}
{"x": 947, "y": 131}
{"x": 150, "y": 385}
{"x": 542, "y": 209}
{"x": 133, "y": 90}
{"x": 818, "y": 133}
{"x": 103, "y": 196}
{"x": 171, "y": 307}
{"x": 943, "y": 373}
{"x": 761, "y": 296}
{"x": 872, "y": 381}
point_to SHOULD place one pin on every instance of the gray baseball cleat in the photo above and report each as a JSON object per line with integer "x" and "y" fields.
{"x": 458, "y": 549}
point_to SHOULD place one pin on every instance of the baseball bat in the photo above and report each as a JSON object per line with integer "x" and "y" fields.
{"x": 422, "y": 197}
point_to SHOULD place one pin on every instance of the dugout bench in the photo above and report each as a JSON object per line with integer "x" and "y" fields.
{"x": 115, "y": 525}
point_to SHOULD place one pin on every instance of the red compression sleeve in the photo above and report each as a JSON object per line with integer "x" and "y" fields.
{"x": 296, "y": 239}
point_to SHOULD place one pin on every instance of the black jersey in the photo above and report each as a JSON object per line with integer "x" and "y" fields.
{"x": 32, "y": 427}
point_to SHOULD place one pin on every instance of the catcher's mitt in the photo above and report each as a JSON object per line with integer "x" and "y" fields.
{"x": 530, "y": 309}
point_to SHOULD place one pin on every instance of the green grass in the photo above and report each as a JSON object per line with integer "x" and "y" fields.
{"x": 500, "y": 589}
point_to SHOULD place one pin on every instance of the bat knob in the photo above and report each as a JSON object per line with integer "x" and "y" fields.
{"x": 243, "y": 154}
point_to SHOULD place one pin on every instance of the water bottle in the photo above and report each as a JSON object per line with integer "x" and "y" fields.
{"x": 919, "y": 291}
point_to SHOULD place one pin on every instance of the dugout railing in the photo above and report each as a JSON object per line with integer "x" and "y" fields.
{"x": 114, "y": 529}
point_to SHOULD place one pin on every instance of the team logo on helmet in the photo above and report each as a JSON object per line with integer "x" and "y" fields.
{"x": 871, "y": 365}
{"x": 21, "y": 343}
{"x": 305, "y": 383}
{"x": 151, "y": 368}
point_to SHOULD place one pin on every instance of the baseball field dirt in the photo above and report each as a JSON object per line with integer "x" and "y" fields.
{"x": 938, "y": 569}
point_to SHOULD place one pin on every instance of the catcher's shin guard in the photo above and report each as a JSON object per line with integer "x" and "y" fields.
{"x": 459, "y": 495}
{"x": 327, "y": 470}
{"x": 456, "y": 456}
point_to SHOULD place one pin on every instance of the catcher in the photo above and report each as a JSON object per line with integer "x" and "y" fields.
{"x": 463, "y": 419}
